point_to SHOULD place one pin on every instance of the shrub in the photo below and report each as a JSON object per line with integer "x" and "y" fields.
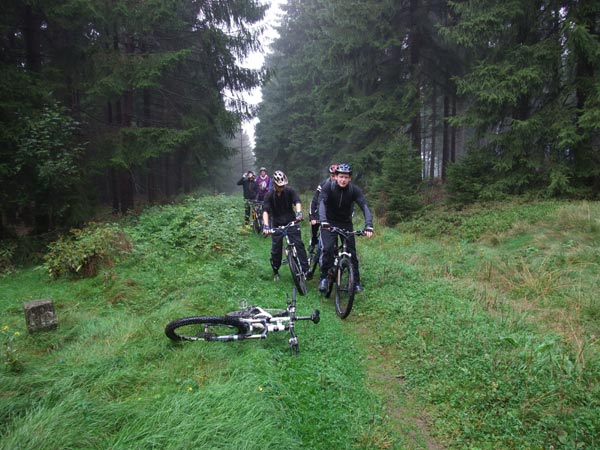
{"x": 7, "y": 250}
{"x": 82, "y": 253}
{"x": 399, "y": 182}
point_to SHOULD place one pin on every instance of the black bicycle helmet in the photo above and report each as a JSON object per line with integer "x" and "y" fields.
{"x": 344, "y": 168}
{"x": 332, "y": 168}
{"x": 279, "y": 178}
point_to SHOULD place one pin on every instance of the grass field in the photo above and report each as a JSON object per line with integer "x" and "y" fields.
{"x": 477, "y": 329}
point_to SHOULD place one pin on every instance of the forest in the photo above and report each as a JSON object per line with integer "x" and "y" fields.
{"x": 489, "y": 99}
{"x": 473, "y": 126}
{"x": 117, "y": 103}
{"x": 122, "y": 103}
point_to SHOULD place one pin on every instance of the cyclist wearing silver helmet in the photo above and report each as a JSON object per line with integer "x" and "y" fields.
{"x": 281, "y": 206}
{"x": 336, "y": 204}
{"x": 264, "y": 184}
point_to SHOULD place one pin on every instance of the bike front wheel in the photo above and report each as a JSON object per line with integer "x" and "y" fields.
{"x": 344, "y": 289}
{"x": 207, "y": 328}
{"x": 297, "y": 274}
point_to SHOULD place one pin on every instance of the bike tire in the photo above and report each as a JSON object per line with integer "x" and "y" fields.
{"x": 257, "y": 224}
{"x": 344, "y": 288}
{"x": 206, "y": 328}
{"x": 297, "y": 274}
{"x": 314, "y": 261}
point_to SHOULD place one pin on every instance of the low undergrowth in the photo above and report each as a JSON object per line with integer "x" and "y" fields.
{"x": 478, "y": 335}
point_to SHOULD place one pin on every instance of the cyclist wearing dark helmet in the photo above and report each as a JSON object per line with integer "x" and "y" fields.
{"x": 281, "y": 206}
{"x": 336, "y": 204}
{"x": 248, "y": 182}
{"x": 313, "y": 212}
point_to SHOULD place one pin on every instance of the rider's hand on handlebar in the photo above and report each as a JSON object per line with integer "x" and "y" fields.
{"x": 298, "y": 215}
{"x": 266, "y": 229}
{"x": 368, "y": 232}
{"x": 325, "y": 226}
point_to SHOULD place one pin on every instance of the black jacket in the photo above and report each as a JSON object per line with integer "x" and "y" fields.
{"x": 281, "y": 208}
{"x": 336, "y": 205}
{"x": 250, "y": 187}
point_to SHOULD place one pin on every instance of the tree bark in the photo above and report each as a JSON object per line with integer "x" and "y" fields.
{"x": 445, "y": 144}
{"x": 433, "y": 134}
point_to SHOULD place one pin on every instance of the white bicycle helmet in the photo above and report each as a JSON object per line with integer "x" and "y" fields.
{"x": 279, "y": 178}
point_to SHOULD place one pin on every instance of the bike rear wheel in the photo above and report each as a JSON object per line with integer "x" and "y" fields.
{"x": 206, "y": 328}
{"x": 313, "y": 262}
{"x": 297, "y": 274}
{"x": 344, "y": 289}
{"x": 257, "y": 223}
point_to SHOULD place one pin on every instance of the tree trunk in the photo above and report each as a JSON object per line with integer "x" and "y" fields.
{"x": 125, "y": 175}
{"x": 445, "y": 144}
{"x": 31, "y": 32}
{"x": 415, "y": 56}
{"x": 453, "y": 131}
{"x": 433, "y": 134}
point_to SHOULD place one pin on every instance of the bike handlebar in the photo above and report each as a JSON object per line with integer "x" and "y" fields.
{"x": 346, "y": 232}
{"x": 282, "y": 228}
{"x": 315, "y": 317}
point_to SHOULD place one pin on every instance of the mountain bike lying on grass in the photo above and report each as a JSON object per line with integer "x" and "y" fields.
{"x": 341, "y": 274}
{"x": 292, "y": 257}
{"x": 251, "y": 322}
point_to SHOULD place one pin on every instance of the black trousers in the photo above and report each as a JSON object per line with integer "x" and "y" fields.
{"x": 329, "y": 241}
{"x": 247, "y": 206}
{"x": 314, "y": 229}
{"x": 277, "y": 248}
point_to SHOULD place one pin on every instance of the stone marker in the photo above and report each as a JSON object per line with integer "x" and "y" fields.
{"x": 40, "y": 315}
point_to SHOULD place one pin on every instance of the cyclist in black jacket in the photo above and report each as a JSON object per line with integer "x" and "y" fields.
{"x": 248, "y": 182}
{"x": 313, "y": 212}
{"x": 336, "y": 205}
{"x": 282, "y": 205}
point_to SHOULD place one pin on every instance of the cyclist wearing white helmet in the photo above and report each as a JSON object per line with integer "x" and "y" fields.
{"x": 336, "y": 204}
{"x": 264, "y": 184}
{"x": 281, "y": 206}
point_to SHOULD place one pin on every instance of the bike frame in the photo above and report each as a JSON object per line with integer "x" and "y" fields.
{"x": 257, "y": 216}
{"x": 290, "y": 248}
{"x": 264, "y": 322}
{"x": 289, "y": 245}
{"x": 342, "y": 249}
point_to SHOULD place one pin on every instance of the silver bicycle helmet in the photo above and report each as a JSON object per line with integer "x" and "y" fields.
{"x": 279, "y": 178}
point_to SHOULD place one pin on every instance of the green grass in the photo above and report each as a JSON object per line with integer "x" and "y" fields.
{"x": 478, "y": 335}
